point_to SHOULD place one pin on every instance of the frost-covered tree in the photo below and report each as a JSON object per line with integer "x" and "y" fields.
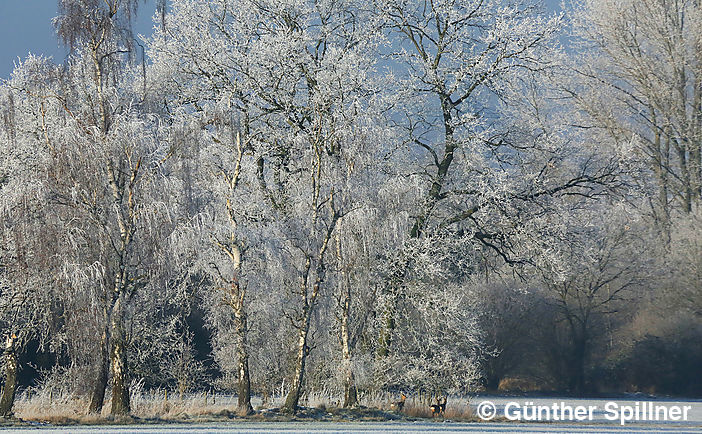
{"x": 222, "y": 242}
{"x": 457, "y": 58}
{"x": 637, "y": 78}
{"x": 28, "y": 236}
{"x": 218, "y": 114}
{"x": 485, "y": 158}
{"x": 95, "y": 31}
{"x": 594, "y": 276}
{"x": 335, "y": 189}
{"x": 634, "y": 80}
{"x": 104, "y": 170}
{"x": 297, "y": 76}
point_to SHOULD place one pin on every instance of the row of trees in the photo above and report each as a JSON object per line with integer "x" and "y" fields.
{"x": 344, "y": 196}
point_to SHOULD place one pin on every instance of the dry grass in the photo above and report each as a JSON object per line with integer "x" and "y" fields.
{"x": 413, "y": 409}
{"x": 152, "y": 406}
{"x": 456, "y": 408}
{"x": 454, "y": 411}
{"x": 46, "y": 407}
{"x": 156, "y": 405}
{"x": 459, "y": 411}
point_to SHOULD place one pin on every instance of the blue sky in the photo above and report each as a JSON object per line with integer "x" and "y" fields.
{"x": 25, "y": 27}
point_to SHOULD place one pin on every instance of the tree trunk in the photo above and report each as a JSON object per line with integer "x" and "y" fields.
{"x": 8, "y": 392}
{"x": 245, "y": 407}
{"x": 350, "y": 393}
{"x": 433, "y": 196}
{"x": 350, "y": 396}
{"x": 660, "y": 168}
{"x": 236, "y": 299}
{"x": 293, "y": 398}
{"x": 695, "y": 167}
{"x": 98, "y": 393}
{"x": 308, "y": 304}
{"x": 120, "y": 387}
{"x": 118, "y": 363}
{"x": 577, "y": 366}
{"x": 386, "y": 333}
{"x": 493, "y": 375}
{"x": 393, "y": 286}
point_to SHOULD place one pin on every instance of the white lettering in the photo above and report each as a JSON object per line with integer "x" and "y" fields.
{"x": 591, "y": 412}
{"x": 611, "y": 411}
{"x": 560, "y": 411}
{"x": 580, "y": 413}
{"x": 626, "y": 414}
{"x": 517, "y": 415}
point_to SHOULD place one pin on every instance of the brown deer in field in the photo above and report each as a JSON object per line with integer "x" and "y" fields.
{"x": 398, "y": 405}
{"x": 440, "y": 406}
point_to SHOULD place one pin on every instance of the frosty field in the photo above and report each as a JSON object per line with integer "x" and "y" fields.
{"x": 599, "y": 423}
{"x": 387, "y": 427}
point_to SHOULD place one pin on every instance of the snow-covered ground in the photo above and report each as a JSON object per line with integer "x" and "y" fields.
{"x": 363, "y": 427}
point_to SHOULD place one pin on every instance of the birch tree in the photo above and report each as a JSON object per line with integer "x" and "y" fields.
{"x": 297, "y": 115}
{"x": 100, "y": 153}
{"x": 223, "y": 241}
{"x": 28, "y": 236}
{"x": 212, "y": 90}
{"x": 324, "y": 118}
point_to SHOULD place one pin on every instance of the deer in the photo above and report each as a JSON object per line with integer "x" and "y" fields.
{"x": 398, "y": 405}
{"x": 440, "y": 406}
